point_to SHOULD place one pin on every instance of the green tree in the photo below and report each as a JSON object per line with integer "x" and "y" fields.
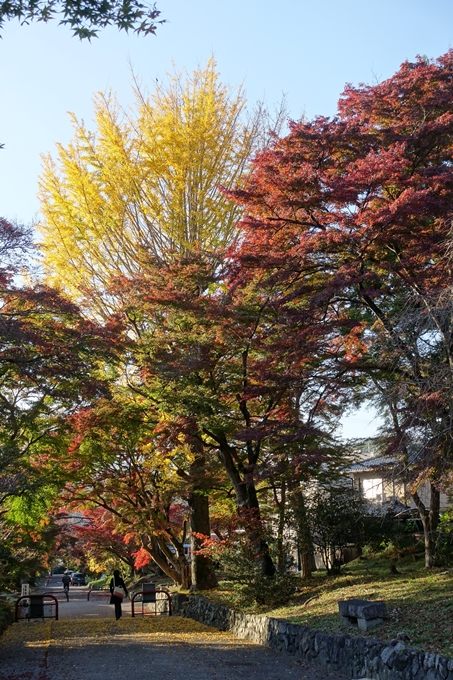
{"x": 51, "y": 363}
{"x": 335, "y": 516}
{"x": 212, "y": 358}
{"x": 28, "y": 533}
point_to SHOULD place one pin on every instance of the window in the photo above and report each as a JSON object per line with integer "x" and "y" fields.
{"x": 372, "y": 489}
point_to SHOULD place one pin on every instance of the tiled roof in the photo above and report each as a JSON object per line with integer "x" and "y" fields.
{"x": 371, "y": 464}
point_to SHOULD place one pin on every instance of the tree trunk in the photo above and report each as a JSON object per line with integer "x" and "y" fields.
{"x": 305, "y": 564}
{"x": 305, "y": 543}
{"x": 164, "y": 566}
{"x": 254, "y": 528}
{"x": 175, "y": 566}
{"x": 202, "y": 568}
{"x": 430, "y": 520}
{"x": 186, "y": 576}
{"x": 281, "y": 561}
{"x": 248, "y": 509}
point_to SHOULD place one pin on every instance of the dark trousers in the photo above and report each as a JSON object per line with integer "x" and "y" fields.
{"x": 118, "y": 611}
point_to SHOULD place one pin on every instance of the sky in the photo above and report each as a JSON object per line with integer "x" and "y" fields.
{"x": 302, "y": 49}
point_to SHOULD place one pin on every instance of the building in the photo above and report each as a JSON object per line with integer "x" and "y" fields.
{"x": 378, "y": 481}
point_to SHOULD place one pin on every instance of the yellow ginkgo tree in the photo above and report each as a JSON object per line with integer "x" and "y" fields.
{"x": 146, "y": 183}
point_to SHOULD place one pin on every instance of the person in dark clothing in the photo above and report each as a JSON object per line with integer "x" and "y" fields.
{"x": 114, "y": 582}
{"x": 66, "y": 580}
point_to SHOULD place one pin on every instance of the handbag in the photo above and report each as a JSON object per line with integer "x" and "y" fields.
{"x": 118, "y": 591}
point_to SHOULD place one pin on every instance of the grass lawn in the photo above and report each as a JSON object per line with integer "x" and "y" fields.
{"x": 419, "y": 601}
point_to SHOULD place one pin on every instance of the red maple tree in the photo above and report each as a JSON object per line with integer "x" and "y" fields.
{"x": 348, "y": 218}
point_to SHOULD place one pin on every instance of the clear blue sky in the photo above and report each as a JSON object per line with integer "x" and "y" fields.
{"x": 307, "y": 50}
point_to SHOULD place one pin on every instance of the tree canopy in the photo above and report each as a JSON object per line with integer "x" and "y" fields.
{"x": 255, "y": 298}
{"x": 86, "y": 16}
{"x": 146, "y": 183}
{"x": 52, "y": 362}
{"x": 355, "y": 212}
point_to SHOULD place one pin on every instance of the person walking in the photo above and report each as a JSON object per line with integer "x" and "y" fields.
{"x": 116, "y": 585}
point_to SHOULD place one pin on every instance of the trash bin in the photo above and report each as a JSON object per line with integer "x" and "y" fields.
{"x": 36, "y": 610}
{"x": 148, "y": 596}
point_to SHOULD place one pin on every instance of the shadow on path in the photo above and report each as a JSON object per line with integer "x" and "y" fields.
{"x": 88, "y": 644}
{"x": 158, "y": 648}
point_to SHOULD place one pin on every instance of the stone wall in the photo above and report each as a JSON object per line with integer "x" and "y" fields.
{"x": 355, "y": 657}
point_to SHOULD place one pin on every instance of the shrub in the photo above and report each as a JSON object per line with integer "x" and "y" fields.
{"x": 248, "y": 581}
{"x": 100, "y": 583}
{"x": 6, "y": 616}
{"x": 443, "y": 553}
{"x": 377, "y": 532}
{"x": 335, "y": 515}
{"x": 243, "y": 567}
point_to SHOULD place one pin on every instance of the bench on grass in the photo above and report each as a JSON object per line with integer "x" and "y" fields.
{"x": 363, "y": 613}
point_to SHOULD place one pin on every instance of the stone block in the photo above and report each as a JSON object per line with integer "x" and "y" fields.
{"x": 362, "y": 609}
{"x": 387, "y": 655}
{"x": 415, "y": 664}
{"x": 362, "y": 613}
{"x": 366, "y": 624}
{"x": 441, "y": 666}
{"x": 401, "y": 661}
{"x": 429, "y": 661}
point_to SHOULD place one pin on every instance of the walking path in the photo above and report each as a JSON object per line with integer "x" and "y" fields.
{"x": 79, "y": 607}
{"x": 88, "y": 644}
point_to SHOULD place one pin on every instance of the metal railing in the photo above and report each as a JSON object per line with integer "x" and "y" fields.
{"x": 158, "y": 602}
{"x": 94, "y": 591}
{"x": 35, "y": 606}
